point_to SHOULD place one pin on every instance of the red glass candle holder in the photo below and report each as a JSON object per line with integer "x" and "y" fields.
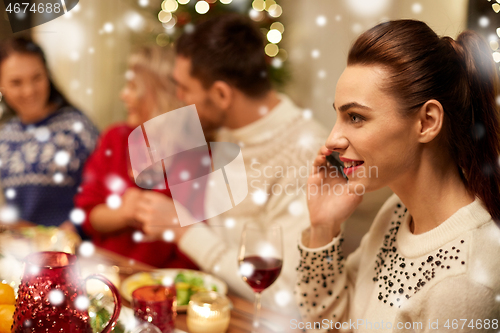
{"x": 156, "y": 305}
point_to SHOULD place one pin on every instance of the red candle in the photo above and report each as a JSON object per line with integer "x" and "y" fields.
{"x": 156, "y": 305}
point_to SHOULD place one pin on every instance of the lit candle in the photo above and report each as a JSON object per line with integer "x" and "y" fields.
{"x": 208, "y": 312}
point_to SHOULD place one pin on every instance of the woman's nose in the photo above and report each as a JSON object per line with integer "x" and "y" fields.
{"x": 336, "y": 140}
{"x": 28, "y": 90}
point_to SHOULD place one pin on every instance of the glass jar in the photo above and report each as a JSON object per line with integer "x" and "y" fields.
{"x": 208, "y": 312}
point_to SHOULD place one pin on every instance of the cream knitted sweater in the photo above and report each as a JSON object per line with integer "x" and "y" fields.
{"x": 444, "y": 280}
{"x": 277, "y": 150}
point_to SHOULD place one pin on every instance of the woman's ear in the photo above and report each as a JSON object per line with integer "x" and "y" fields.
{"x": 430, "y": 120}
{"x": 221, "y": 94}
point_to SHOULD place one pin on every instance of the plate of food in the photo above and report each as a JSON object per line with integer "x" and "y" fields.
{"x": 187, "y": 282}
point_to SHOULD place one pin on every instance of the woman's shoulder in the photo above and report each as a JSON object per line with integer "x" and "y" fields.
{"x": 71, "y": 115}
{"x": 484, "y": 261}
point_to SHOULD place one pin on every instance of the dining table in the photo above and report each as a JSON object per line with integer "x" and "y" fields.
{"x": 241, "y": 313}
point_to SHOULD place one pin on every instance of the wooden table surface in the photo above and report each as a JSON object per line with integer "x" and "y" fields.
{"x": 241, "y": 315}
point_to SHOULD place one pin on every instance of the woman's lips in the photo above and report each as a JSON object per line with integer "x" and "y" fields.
{"x": 350, "y": 170}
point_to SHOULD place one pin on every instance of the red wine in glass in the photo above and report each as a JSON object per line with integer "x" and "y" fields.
{"x": 260, "y": 259}
{"x": 265, "y": 271}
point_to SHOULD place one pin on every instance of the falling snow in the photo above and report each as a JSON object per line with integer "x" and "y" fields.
{"x": 86, "y": 249}
{"x": 184, "y": 175}
{"x": 246, "y": 269}
{"x": 283, "y": 298}
{"x": 108, "y": 27}
{"x": 77, "y": 126}
{"x": 230, "y": 223}
{"x": 9, "y": 214}
{"x": 168, "y": 235}
{"x": 137, "y": 236}
{"x": 56, "y": 297}
{"x": 416, "y": 8}
{"x": 58, "y": 178}
{"x": 42, "y": 134}
{"x": 357, "y": 28}
{"x": 259, "y": 197}
{"x": 205, "y": 161}
{"x": 307, "y": 114}
{"x": 62, "y": 158}
{"x": 115, "y": 184}
{"x": 10, "y": 193}
{"x": 82, "y": 302}
{"x": 267, "y": 250}
{"x": 77, "y": 216}
{"x": 277, "y": 63}
{"x": 306, "y": 140}
{"x": 296, "y": 208}
{"x": 114, "y": 201}
{"x": 167, "y": 281}
{"x": 484, "y": 22}
{"x": 189, "y": 28}
{"x": 34, "y": 270}
{"x": 368, "y": 8}
{"x": 321, "y": 20}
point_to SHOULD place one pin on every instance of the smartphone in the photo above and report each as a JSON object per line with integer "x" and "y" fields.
{"x": 333, "y": 160}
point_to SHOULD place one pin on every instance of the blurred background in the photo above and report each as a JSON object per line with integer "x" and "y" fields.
{"x": 308, "y": 41}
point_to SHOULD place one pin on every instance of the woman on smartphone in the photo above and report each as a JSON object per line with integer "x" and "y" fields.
{"x": 417, "y": 113}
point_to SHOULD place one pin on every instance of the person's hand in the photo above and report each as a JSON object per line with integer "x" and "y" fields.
{"x": 156, "y": 213}
{"x": 329, "y": 200}
{"x": 68, "y": 226}
{"x": 130, "y": 200}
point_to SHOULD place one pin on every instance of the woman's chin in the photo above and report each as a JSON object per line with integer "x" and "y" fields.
{"x": 133, "y": 120}
{"x": 357, "y": 186}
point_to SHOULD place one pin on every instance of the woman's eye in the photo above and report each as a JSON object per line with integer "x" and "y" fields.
{"x": 355, "y": 118}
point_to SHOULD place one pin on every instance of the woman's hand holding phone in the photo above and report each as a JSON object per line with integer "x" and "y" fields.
{"x": 329, "y": 200}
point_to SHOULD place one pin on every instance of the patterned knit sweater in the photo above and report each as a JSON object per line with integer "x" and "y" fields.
{"x": 444, "y": 280}
{"x": 277, "y": 150}
{"x": 41, "y": 164}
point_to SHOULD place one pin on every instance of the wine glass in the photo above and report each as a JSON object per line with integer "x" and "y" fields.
{"x": 260, "y": 260}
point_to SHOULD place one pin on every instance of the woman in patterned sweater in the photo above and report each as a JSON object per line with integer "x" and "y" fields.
{"x": 44, "y": 146}
{"x": 417, "y": 113}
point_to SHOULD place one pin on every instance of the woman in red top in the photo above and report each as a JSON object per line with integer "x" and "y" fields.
{"x": 120, "y": 216}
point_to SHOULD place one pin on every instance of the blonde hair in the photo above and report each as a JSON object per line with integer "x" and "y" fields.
{"x": 152, "y": 67}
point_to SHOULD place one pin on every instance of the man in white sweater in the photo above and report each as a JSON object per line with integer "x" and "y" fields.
{"x": 221, "y": 68}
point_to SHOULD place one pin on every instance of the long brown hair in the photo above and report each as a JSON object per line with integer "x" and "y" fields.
{"x": 461, "y": 75}
{"x": 24, "y": 45}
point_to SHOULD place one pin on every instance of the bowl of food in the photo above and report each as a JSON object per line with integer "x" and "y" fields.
{"x": 187, "y": 283}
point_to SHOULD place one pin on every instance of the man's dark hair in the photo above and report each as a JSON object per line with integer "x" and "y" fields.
{"x": 229, "y": 48}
